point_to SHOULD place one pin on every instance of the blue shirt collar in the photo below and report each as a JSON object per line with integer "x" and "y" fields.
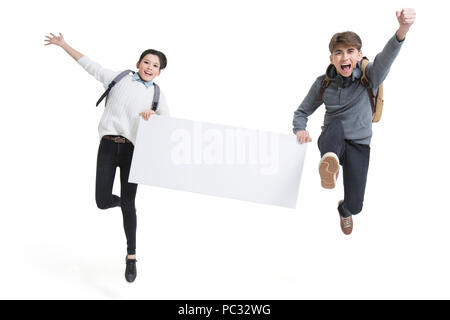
{"x": 138, "y": 79}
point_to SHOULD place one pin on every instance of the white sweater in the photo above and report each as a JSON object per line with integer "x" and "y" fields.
{"x": 125, "y": 101}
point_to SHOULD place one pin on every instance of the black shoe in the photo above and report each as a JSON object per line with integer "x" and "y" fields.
{"x": 130, "y": 271}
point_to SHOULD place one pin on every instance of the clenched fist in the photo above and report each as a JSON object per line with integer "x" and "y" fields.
{"x": 405, "y": 18}
{"x": 303, "y": 136}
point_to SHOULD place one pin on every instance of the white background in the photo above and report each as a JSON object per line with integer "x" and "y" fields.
{"x": 239, "y": 63}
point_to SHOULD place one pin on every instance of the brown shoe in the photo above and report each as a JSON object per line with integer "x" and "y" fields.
{"x": 346, "y": 223}
{"x": 329, "y": 170}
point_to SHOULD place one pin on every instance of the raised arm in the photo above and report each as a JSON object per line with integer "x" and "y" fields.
{"x": 405, "y": 18}
{"x": 59, "y": 41}
{"x": 105, "y": 76}
{"x": 379, "y": 69}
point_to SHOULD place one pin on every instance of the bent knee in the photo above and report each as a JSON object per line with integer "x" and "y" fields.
{"x": 102, "y": 203}
{"x": 102, "y": 206}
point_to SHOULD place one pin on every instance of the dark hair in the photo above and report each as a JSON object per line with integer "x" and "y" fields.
{"x": 348, "y": 38}
{"x": 159, "y": 54}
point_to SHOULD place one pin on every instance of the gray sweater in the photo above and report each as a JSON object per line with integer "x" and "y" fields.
{"x": 346, "y": 99}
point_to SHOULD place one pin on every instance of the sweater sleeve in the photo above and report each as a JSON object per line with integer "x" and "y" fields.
{"x": 379, "y": 69}
{"x": 307, "y": 107}
{"x": 105, "y": 76}
{"x": 163, "y": 109}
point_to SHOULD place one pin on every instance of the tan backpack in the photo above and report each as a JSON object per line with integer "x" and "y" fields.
{"x": 375, "y": 102}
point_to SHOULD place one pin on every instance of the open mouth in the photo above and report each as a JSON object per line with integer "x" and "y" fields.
{"x": 148, "y": 74}
{"x": 346, "y": 67}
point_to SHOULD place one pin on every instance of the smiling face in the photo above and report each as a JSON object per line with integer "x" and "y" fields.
{"x": 149, "y": 67}
{"x": 344, "y": 58}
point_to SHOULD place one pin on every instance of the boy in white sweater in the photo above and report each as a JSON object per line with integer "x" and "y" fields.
{"x": 129, "y": 99}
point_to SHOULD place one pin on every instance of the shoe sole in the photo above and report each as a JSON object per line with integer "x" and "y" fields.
{"x": 329, "y": 170}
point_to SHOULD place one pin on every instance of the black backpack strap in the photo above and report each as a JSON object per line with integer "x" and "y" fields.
{"x": 112, "y": 84}
{"x": 155, "y": 96}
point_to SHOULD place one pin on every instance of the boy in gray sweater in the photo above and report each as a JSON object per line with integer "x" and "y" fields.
{"x": 347, "y": 128}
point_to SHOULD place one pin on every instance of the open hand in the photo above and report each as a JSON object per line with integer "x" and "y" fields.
{"x": 146, "y": 114}
{"x": 57, "y": 40}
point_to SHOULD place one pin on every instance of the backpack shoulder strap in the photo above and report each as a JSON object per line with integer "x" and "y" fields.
{"x": 156, "y": 94}
{"x": 112, "y": 84}
{"x": 364, "y": 79}
{"x": 323, "y": 86}
{"x": 365, "y": 83}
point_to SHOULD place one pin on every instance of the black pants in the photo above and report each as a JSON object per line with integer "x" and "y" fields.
{"x": 110, "y": 156}
{"x": 354, "y": 159}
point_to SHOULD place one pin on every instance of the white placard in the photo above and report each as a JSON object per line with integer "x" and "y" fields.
{"x": 218, "y": 160}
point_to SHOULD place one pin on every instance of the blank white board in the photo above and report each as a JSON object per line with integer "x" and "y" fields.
{"x": 218, "y": 160}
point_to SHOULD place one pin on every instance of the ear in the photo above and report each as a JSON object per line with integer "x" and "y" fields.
{"x": 360, "y": 55}
{"x": 137, "y": 65}
{"x": 331, "y": 58}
